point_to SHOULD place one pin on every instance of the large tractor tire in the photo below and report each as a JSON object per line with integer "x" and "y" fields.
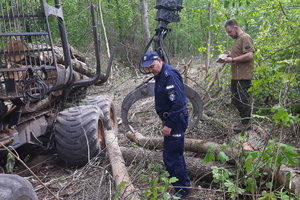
{"x": 108, "y": 109}
{"x": 79, "y": 134}
{"x": 15, "y": 187}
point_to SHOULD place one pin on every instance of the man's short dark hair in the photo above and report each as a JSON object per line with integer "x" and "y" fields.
{"x": 231, "y": 22}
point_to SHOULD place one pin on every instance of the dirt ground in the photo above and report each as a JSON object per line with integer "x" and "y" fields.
{"x": 94, "y": 181}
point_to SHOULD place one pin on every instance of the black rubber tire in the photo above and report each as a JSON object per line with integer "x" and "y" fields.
{"x": 108, "y": 109}
{"x": 79, "y": 134}
{"x": 15, "y": 187}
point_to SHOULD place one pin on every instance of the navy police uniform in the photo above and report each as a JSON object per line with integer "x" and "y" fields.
{"x": 170, "y": 105}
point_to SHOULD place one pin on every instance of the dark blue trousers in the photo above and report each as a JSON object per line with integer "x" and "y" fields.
{"x": 173, "y": 156}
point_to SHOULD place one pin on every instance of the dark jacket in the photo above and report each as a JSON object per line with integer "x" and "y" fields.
{"x": 170, "y": 98}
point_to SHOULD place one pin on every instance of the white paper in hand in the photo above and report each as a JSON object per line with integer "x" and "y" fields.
{"x": 221, "y": 58}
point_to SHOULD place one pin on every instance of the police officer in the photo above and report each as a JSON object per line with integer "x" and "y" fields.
{"x": 170, "y": 105}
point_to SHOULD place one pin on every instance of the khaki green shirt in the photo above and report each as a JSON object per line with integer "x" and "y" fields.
{"x": 242, "y": 70}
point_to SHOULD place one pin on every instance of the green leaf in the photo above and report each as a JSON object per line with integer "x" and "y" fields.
{"x": 248, "y": 165}
{"x": 173, "y": 179}
{"x": 223, "y": 147}
{"x": 10, "y": 163}
{"x": 209, "y": 157}
{"x": 268, "y": 196}
{"x": 290, "y": 154}
{"x": 222, "y": 157}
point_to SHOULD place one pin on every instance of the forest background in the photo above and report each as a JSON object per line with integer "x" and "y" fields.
{"x": 200, "y": 37}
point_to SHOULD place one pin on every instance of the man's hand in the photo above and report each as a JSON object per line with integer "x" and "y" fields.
{"x": 228, "y": 59}
{"x": 166, "y": 131}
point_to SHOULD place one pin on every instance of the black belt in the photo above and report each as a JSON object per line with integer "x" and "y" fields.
{"x": 164, "y": 116}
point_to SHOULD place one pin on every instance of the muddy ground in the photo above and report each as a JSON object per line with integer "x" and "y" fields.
{"x": 94, "y": 181}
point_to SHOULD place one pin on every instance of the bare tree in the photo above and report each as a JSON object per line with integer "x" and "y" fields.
{"x": 208, "y": 38}
{"x": 144, "y": 12}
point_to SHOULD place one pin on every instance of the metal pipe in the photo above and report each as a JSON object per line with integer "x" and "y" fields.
{"x": 65, "y": 44}
{"x": 95, "y": 78}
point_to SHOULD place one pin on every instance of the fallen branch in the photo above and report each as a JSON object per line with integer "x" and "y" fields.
{"x": 196, "y": 169}
{"x": 285, "y": 177}
{"x": 193, "y": 145}
{"x": 219, "y": 70}
{"x": 119, "y": 169}
{"x": 21, "y": 161}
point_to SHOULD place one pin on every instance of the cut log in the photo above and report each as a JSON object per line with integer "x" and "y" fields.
{"x": 28, "y": 108}
{"x": 59, "y": 54}
{"x": 119, "y": 169}
{"x": 76, "y": 54}
{"x": 286, "y": 178}
{"x": 78, "y": 65}
{"x": 196, "y": 169}
{"x": 15, "y": 51}
{"x": 17, "y": 75}
{"x": 40, "y": 54}
{"x": 83, "y": 68}
{"x": 193, "y": 145}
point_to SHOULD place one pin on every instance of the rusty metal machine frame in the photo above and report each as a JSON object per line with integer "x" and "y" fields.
{"x": 25, "y": 80}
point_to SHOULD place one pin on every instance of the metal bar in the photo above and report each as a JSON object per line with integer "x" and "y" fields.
{"x": 25, "y": 34}
{"x": 25, "y": 69}
{"x": 29, "y": 50}
{"x": 95, "y": 78}
{"x": 20, "y": 16}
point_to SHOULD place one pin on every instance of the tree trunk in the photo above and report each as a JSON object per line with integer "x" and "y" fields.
{"x": 193, "y": 145}
{"x": 286, "y": 177}
{"x": 119, "y": 170}
{"x": 103, "y": 28}
{"x": 207, "y": 61}
{"x": 105, "y": 36}
{"x": 40, "y": 54}
{"x": 78, "y": 65}
{"x": 145, "y": 22}
{"x": 195, "y": 167}
{"x": 186, "y": 69}
{"x": 15, "y": 51}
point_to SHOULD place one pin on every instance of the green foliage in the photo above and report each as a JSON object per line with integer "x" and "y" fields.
{"x": 220, "y": 174}
{"x": 278, "y": 195}
{"x": 268, "y": 196}
{"x": 282, "y": 116}
{"x": 287, "y": 196}
{"x": 159, "y": 182}
{"x": 120, "y": 187}
{"x": 233, "y": 190}
{"x": 250, "y": 168}
{"x": 10, "y": 163}
{"x": 275, "y": 155}
{"x": 210, "y": 156}
{"x": 224, "y": 177}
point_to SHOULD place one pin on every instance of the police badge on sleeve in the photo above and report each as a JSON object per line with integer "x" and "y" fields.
{"x": 172, "y": 97}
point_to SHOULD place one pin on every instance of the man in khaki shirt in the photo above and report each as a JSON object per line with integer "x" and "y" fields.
{"x": 241, "y": 59}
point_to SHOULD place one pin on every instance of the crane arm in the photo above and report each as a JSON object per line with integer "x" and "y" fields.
{"x": 167, "y": 12}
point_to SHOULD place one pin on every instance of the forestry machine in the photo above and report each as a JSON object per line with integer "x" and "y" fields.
{"x": 168, "y": 11}
{"x": 43, "y": 88}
